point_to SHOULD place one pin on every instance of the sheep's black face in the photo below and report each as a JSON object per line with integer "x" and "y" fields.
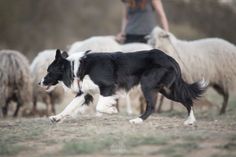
{"x": 56, "y": 71}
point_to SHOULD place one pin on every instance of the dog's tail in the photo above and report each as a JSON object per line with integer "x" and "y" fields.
{"x": 188, "y": 92}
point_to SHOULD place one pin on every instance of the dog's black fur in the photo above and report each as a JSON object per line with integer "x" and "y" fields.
{"x": 153, "y": 70}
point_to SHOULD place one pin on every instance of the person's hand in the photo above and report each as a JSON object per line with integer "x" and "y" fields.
{"x": 120, "y": 37}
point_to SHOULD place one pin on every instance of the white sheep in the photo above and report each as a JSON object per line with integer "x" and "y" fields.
{"x": 38, "y": 70}
{"x": 212, "y": 59}
{"x": 96, "y": 43}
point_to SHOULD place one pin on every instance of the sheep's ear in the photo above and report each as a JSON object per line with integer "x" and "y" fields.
{"x": 64, "y": 54}
{"x": 58, "y": 54}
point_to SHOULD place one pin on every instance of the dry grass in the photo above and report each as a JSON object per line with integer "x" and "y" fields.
{"x": 161, "y": 135}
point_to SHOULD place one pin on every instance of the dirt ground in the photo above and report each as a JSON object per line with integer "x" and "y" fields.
{"x": 162, "y": 135}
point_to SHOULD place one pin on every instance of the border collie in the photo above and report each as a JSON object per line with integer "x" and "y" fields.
{"x": 95, "y": 77}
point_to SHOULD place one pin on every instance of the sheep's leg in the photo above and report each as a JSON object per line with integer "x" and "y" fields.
{"x": 128, "y": 104}
{"x": 34, "y": 110}
{"x": 1, "y": 113}
{"x": 18, "y": 106}
{"x": 160, "y": 104}
{"x": 117, "y": 105}
{"x": 53, "y": 110}
{"x": 48, "y": 105}
{"x": 225, "y": 95}
{"x": 5, "y": 108}
{"x": 171, "y": 105}
{"x": 142, "y": 104}
{"x": 225, "y": 103}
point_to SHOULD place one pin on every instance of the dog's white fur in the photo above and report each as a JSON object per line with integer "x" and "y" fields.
{"x": 76, "y": 57}
{"x": 104, "y": 104}
{"x": 191, "y": 119}
{"x": 136, "y": 121}
{"x": 76, "y": 105}
{"x": 70, "y": 110}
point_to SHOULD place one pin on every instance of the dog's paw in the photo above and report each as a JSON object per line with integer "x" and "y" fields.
{"x": 55, "y": 119}
{"x": 189, "y": 121}
{"x": 136, "y": 121}
{"x": 108, "y": 110}
{"x": 112, "y": 110}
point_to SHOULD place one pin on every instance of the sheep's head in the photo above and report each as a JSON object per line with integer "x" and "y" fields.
{"x": 57, "y": 71}
{"x": 159, "y": 39}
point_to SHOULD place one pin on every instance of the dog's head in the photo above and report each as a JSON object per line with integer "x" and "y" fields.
{"x": 58, "y": 70}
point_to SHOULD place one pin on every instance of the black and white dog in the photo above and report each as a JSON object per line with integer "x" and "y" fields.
{"x": 97, "y": 76}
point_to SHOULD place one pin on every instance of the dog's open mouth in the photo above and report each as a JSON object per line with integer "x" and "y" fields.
{"x": 47, "y": 87}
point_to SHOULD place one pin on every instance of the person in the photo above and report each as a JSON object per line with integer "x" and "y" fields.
{"x": 139, "y": 19}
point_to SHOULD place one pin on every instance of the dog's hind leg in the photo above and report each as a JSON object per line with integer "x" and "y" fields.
{"x": 191, "y": 118}
{"x": 150, "y": 97}
{"x": 150, "y": 85}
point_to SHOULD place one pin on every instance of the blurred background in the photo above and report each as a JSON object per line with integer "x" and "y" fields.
{"x": 31, "y": 26}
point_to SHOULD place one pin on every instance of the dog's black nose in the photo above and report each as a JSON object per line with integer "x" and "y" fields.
{"x": 39, "y": 83}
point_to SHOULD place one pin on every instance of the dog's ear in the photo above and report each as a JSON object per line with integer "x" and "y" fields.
{"x": 86, "y": 52}
{"x": 67, "y": 78}
{"x": 58, "y": 54}
{"x": 64, "y": 54}
{"x": 85, "y": 55}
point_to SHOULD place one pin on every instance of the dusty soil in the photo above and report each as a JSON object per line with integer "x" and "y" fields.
{"x": 162, "y": 135}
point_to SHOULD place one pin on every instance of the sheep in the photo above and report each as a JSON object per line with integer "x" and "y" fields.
{"x": 96, "y": 43}
{"x": 109, "y": 44}
{"x": 210, "y": 58}
{"x": 38, "y": 70}
{"x": 15, "y": 81}
{"x": 132, "y": 47}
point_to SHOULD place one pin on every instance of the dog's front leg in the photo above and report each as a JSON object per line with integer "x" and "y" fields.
{"x": 103, "y": 104}
{"x": 77, "y": 105}
{"x": 70, "y": 109}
